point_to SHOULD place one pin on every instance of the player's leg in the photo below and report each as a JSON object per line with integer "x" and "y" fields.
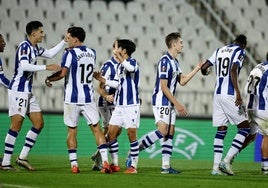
{"x": 36, "y": 117}
{"x": 18, "y": 105}
{"x": 96, "y": 157}
{"x": 218, "y": 149}
{"x": 10, "y": 140}
{"x": 134, "y": 151}
{"x": 114, "y": 146}
{"x": 100, "y": 140}
{"x": 167, "y": 148}
{"x": 71, "y": 117}
{"x": 72, "y": 148}
{"x": 264, "y": 152}
{"x": 131, "y": 123}
{"x": 91, "y": 114}
{"x": 237, "y": 143}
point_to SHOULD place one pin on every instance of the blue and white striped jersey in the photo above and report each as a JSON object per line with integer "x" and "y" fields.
{"x": 79, "y": 82}
{"x": 3, "y": 80}
{"x": 128, "y": 91}
{"x": 223, "y": 58}
{"x": 257, "y": 87}
{"x": 22, "y": 80}
{"x": 108, "y": 71}
{"x": 168, "y": 68}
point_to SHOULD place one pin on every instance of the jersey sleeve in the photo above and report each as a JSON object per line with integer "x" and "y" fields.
{"x": 212, "y": 59}
{"x": 163, "y": 67}
{"x": 64, "y": 62}
{"x": 239, "y": 57}
{"x": 24, "y": 52}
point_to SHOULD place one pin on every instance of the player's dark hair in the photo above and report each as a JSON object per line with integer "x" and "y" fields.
{"x": 77, "y": 32}
{"x": 267, "y": 56}
{"x": 127, "y": 44}
{"x": 241, "y": 40}
{"x": 172, "y": 37}
{"x": 33, "y": 25}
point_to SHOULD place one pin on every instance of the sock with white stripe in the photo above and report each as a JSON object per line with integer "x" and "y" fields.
{"x": 264, "y": 163}
{"x": 103, "y": 152}
{"x": 114, "y": 147}
{"x": 150, "y": 139}
{"x": 9, "y": 146}
{"x": 73, "y": 157}
{"x": 29, "y": 142}
{"x": 166, "y": 152}
{"x": 134, "y": 153}
{"x": 218, "y": 148}
{"x": 237, "y": 144}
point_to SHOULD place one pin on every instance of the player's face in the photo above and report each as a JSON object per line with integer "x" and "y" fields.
{"x": 71, "y": 40}
{"x": 178, "y": 45}
{"x": 39, "y": 34}
{"x": 2, "y": 43}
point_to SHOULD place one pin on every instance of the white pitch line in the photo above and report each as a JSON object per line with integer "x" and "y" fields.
{"x": 16, "y": 186}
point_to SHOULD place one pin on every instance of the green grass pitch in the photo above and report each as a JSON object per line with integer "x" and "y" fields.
{"x": 54, "y": 171}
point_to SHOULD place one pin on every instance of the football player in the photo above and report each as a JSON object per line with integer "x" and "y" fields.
{"x": 22, "y": 102}
{"x": 227, "y": 102}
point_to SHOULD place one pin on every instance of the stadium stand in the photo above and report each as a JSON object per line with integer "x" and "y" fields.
{"x": 204, "y": 24}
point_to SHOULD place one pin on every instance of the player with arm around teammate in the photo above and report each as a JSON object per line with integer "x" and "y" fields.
{"x": 227, "y": 102}
{"x": 127, "y": 110}
{"x": 21, "y": 100}
{"x": 164, "y": 103}
{"x": 78, "y": 63}
{"x": 106, "y": 104}
{"x": 257, "y": 106}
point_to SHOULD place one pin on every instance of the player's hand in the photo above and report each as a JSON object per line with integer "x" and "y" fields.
{"x": 97, "y": 75}
{"x": 66, "y": 37}
{"x": 120, "y": 54}
{"x": 53, "y": 67}
{"x": 181, "y": 110}
{"x": 109, "y": 98}
{"x": 238, "y": 101}
{"x": 48, "y": 83}
{"x": 199, "y": 65}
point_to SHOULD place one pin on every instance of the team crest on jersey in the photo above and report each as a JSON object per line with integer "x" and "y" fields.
{"x": 241, "y": 57}
{"x": 163, "y": 69}
{"x": 23, "y": 52}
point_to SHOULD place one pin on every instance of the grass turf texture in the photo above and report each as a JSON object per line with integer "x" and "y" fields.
{"x": 54, "y": 171}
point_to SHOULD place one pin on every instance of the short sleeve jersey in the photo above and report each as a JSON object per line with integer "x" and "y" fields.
{"x": 80, "y": 62}
{"x": 223, "y": 58}
{"x": 168, "y": 68}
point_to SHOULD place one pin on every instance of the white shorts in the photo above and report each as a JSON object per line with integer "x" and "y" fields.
{"x": 22, "y": 103}
{"x": 72, "y": 113}
{"x": 126, "y": 117}
{"x": 225, "y": 111}
{"x": 260, "y": 120}
{"x": 162, "y": 113}
{"x": 106, "y": 114}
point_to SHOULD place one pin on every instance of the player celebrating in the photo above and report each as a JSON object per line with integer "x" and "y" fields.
{"x": 227, "y": 103}
{"x": 21, "y": 99}
{"x": 257, "y": 106}
{"x": 106, "y": 104}
{"x": 78, "y": 63}
{"x": 164, "y": 103}
{"x": 127, "y": 110}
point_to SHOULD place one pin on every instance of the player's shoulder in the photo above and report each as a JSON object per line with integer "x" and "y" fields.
{"x": 24, "y": 44}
